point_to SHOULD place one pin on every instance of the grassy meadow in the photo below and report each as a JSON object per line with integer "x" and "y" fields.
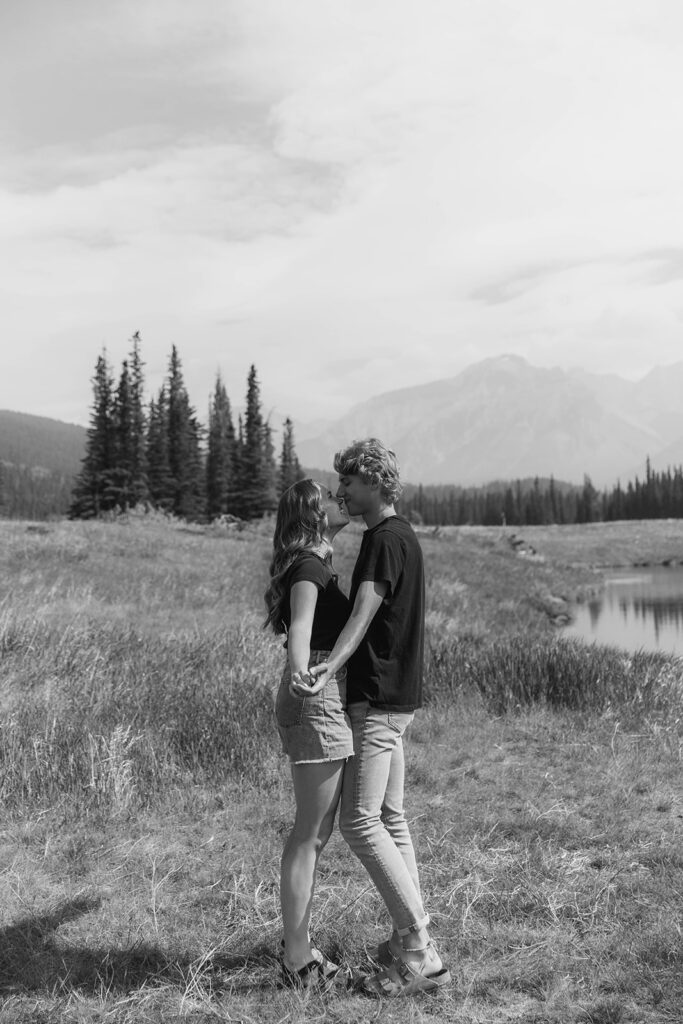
{"x": 145, "y": 801}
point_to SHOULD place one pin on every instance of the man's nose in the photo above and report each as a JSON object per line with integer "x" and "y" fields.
{"x": 340, "y": 493}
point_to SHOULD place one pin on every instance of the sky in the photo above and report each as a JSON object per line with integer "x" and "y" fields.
{"x": 354, "y": 196}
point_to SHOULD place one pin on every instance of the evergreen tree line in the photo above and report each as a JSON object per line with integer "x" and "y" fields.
{"x": 542, "y": 502}
{"x": 159, "y": 454}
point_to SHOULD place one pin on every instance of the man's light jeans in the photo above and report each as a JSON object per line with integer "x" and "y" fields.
{"x": 372, "y": 819}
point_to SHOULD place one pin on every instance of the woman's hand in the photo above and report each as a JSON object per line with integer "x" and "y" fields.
{"x": 307, "y": 684}
{"x": 318, "y": 676}
{"x": 299, "y": 684}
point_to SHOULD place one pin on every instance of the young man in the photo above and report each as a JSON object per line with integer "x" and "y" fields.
{"x": 383, "y": 644}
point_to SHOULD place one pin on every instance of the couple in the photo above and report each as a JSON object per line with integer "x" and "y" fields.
{"x": 352, "y": 683}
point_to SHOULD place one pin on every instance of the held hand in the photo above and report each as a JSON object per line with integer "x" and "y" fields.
{"x": 318, "y": 675}
{"x": 319, "y": 670}
{"x": 303, "y": 684}
{"x": 300, "y": 684}
{"x": 307, "y": 684}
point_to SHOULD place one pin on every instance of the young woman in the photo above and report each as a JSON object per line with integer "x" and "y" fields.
{"x": 305, "y": 603}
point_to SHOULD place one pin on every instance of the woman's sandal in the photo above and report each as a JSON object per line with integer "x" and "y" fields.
{"x": 321, "y": 975}
{"x": 315, "y": 953}
{"x": 400, "y": 979}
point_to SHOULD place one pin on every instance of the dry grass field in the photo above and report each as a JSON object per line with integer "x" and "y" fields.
{"x": 602, "y": 545}
{"x": 145, "y": 801}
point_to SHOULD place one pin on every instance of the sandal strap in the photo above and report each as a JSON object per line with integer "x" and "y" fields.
{"x": 402, "y": 978}
{"x": 413, "y": 927}
{"x": 385, "y": 983}
{"x": 418, "y": 949}
{"x": 315, "y": 973}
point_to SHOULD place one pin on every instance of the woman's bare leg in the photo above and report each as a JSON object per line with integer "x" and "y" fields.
{"x": 317, "y": 788}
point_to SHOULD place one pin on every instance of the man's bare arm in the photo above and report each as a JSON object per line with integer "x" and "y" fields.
{"x": 368, "y": 600}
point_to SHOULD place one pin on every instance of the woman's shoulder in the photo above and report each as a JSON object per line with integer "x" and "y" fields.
{"x": 309, "y": 567}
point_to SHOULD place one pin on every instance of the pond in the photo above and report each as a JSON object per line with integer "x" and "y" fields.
{"x": 638, "y": 609}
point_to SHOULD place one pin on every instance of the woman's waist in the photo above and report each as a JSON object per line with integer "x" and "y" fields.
{"x": 318, "y": 655}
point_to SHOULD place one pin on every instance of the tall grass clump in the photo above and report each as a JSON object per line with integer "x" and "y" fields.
{"x": 108, "y": 717}
{"x": 515, "y": 672}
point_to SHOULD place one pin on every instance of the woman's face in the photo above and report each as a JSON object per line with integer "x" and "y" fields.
{"x": 333, "y": 507}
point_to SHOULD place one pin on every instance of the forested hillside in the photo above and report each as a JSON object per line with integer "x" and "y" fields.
{"x": 39, "y": 461}
{"x": 41, "y": 442}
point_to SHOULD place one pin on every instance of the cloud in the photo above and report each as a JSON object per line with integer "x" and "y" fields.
{"x": 358, "y": 196}
{"x": 79, "y": 71}
{"x": 668, "y": 265}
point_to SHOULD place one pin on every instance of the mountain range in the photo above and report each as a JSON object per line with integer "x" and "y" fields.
{"x": 500, "y": 419}
{"x": 503, "y": 419}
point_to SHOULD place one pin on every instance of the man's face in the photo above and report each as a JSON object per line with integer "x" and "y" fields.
{"x": 358, "y": 496}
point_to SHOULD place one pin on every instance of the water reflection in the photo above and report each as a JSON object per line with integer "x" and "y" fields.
{"x": 639, "y": 609}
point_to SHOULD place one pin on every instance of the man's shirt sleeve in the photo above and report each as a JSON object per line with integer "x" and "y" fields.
{"x": 383, "y": 561}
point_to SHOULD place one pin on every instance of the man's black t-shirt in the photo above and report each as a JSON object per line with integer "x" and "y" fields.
{"x": 387, "y": 667}
{"x": 332, "y": 608}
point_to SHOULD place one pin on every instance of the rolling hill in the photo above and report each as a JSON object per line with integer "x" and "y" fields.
{"x": 39, "y": 460}
{"x": 40, "y": 443}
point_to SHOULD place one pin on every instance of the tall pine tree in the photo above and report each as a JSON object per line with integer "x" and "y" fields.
{"x": 270, "y": 478}
{"x": 240, "y": 472}
{"x": 119, "y": 492}
{"x": 255, "y": 461}
{"x": 159, "y": 476}
{"x": 90, "y": 495}
{"x": 221, "y": 455}
{"x": 138, "y": 425}
{"x": 290, "y": 469}
{"x": 113, "y": 474}
{"x": 184, "y": 439}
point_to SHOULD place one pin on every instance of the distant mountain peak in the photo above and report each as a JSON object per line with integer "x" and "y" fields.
{"x": 503, "y": 418}
{"x": 507, "y": 361}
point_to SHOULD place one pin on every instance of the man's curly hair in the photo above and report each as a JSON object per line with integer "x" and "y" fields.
{"x": 374, "y": 463}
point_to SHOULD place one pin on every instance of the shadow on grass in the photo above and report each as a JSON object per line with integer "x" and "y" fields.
{"x": 32, "y": 958}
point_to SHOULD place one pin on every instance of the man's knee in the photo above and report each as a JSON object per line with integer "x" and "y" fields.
{"x": 347, "y": 826}
{"x": 357, "y": 827}
{"x": 393, "y": 818}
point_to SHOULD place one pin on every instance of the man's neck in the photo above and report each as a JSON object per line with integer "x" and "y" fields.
{"x": 376, "y": 516}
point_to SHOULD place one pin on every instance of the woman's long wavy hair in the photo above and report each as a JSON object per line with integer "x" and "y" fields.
{"x": 299, "y": 526}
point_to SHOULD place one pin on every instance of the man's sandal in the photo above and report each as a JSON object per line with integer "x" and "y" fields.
{"x": 400, "y": 979}
{"x": 382, "y": 955}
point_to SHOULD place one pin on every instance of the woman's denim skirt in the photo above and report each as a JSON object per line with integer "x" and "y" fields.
{"x": 314, "y": 729}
